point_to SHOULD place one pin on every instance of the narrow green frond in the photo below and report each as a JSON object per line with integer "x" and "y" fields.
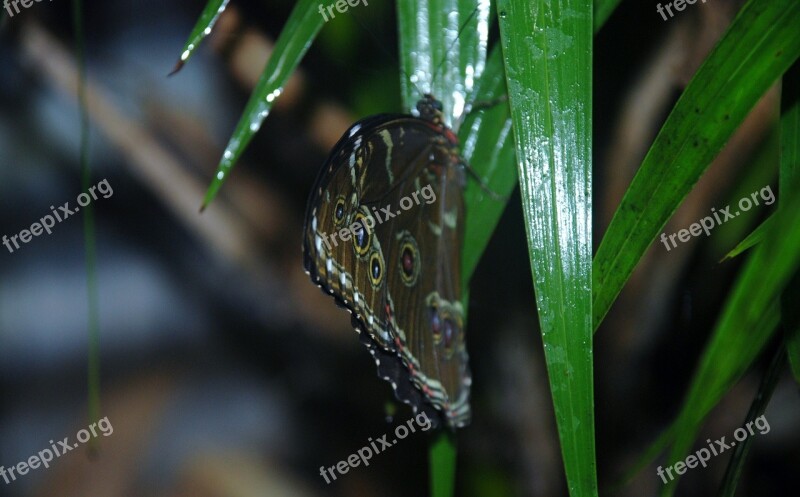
{"x": 298, "y": 33}
{"x": 761, "y": 43}
{"x": 748, "y": 320}
{"x": 753, "y": 239}
{"x": 208, "y": 18}
{"x": 549, "y": 78}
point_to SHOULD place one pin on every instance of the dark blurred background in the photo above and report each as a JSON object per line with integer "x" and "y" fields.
{"x": 225, "y": 372}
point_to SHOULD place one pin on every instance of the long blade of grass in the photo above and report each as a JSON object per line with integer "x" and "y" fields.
{"x": 747, "y": 322}
{"x": 208, "y": 18}
{"x": 790, "y": 175}
{"x": 602, "y": 11}
{"x": 89, "y": 241}
{"x": 442, "y": 465}
{"x": 761, "y": 43}
{"x": 751, "y": 240}
{"x": 297, "y": 35}
{"x": 488, "y": 146}
{"x": 739, "y": 359}
{"x": 547, "y": 50}
{"x": 757, "y": 408}
{"x": 762, "y": 170}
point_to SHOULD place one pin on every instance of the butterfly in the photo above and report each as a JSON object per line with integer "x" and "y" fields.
{"x": 398, "y": 270}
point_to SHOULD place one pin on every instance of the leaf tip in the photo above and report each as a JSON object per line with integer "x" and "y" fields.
{"x": 178, "y": 66}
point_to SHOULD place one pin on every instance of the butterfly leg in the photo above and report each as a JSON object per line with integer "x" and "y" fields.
{"x": 482, "y": 183}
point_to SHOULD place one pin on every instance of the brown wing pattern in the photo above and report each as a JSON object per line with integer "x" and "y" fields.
{"x": 399, "y": 178}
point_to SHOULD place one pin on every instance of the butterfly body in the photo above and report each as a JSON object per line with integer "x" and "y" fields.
{"x": 383, "y": 234}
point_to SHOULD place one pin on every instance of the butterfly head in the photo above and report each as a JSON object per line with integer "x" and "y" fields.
{"x": 430, "y": 109}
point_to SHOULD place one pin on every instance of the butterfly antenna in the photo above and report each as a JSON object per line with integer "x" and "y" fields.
{"x": 460, "y": 30}
{"x": 479, "y": 106}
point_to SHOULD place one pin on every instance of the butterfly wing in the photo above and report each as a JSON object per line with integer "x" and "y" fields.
{"x": 425, "y": 282}
{"x": 397, "y": 271}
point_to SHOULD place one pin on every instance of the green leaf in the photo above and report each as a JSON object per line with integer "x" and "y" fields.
{"x": 757, "y": 407}
{"x": 790, "y": 175}
{"x": 209, "y": 17}
{"x": 751, "y": 240}
{"x": 443, "y": 46}
{"x": 89, "y": 229}
{"x": 297, "y": 35}
{"x": 602, "y": 11}
{"x": 748, "y": 320}
{"x": 761, "y": 43}
{"x": 549, "y": 78}
{"x": 487, "y": 144}
{"x": 762, "y": 170}
{"x": 443, "y": 465}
